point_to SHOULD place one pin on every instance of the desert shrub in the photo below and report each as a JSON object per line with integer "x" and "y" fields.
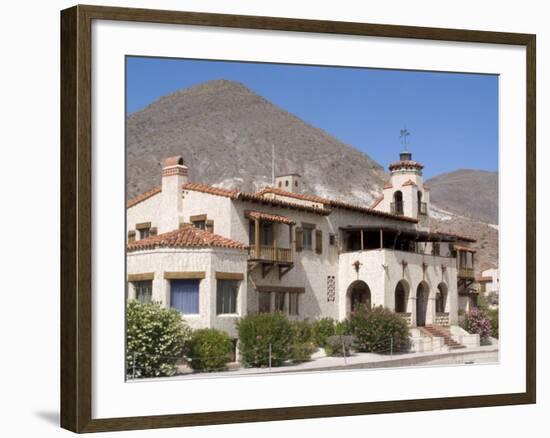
{"x": 209, "y": 349}
{"x": 322, "y": 329}
{"x": 258, "y": 331}
{"x": 338, "y": 345}
{"x": 477, "y": 321}
{"x": 155, "y": 337}
{"x": 303, "y": 345}
{"x": 379, "y": 330}
{"x": 342, "y": 328}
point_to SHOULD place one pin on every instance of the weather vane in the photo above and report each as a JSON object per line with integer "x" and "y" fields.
{"x": 403, "y": 134}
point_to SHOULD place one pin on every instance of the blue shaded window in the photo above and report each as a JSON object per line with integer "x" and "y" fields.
{"x": 184, "y": 296}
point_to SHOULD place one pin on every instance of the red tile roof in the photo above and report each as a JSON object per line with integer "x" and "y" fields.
{"x": 463, "y": 248}
{"x": 187, "y": 237}
{"x": 457, "y": 236}
{"x": 407, "y": 164}
{"x": 377, "y": 201}
{"x": 205, "y": 188}
{"x": 143, "y": 197}
{"x": 252, "y": 214}
{"x": 303, "y": 197}
{"x": 335, "y": 204}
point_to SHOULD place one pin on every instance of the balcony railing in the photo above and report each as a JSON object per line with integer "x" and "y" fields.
{"x": 397, "y": 207}
{"x": 271, "y": 253}
{"x": 466, "y": 272}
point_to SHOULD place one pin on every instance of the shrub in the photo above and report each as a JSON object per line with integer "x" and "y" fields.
{"x": 303, "y": 345}
{"x": 379, "y": 330}
{"x": 155, "y": 337}
{"x": 337, "y": 345}
{"x": 209, "y": 349}
{"x": 493, "y": 315}
{"x": 322, "y": 329}
{"x": 258, "y": 331}
{"x": 477, "y": 321}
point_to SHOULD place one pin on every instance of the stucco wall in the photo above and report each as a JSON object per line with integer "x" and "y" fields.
{"x": 146, "y": 211}
{"x": 209, "y": 261}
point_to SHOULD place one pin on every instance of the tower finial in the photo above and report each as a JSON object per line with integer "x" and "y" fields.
{"x": 403, "y": 134}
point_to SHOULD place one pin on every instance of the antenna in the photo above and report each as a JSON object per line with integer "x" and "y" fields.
{"x": 272, "y": 165}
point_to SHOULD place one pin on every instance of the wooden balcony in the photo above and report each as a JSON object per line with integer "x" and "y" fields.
{"x": 466, "y": 273}
{"x": 271, "y": 254}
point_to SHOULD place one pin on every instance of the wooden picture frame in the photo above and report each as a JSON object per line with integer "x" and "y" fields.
{"x": 76, "y": 217}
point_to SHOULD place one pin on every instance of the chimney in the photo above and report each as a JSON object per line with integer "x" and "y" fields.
{"x": 290, "y": 183}
{"x": 174, "y": 175}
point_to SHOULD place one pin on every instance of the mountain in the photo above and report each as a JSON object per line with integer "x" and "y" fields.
{"x": 469, "y": 193}
{"x": 226, "y": 133}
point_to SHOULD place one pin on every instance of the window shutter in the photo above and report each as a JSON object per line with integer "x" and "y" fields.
{"x": 299, "y": 239}
{"x": 210, "y": 226}
{"x": 131, "y": 236}
{"x": 318, "y": 241}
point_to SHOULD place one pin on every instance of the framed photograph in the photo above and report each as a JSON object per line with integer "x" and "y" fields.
{"x": 270, "y": 218}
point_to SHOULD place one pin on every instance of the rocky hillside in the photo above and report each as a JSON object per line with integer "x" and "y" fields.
{"x": 469, "y": 193}
{"x": 226, "y": 134}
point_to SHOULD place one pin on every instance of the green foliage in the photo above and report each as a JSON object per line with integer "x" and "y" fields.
{"x": 258, "y": 331}
{"x": 155, "y": 337}
{"x": 477, "y": 321}
{"x": 209, "y": 349}
{"x": 303, "y": 345}
{"x": 338, "y": 345}
{"x": 322, "y": 329}
{"x": 493, "y": 315}
{"x": 379, "y": 330}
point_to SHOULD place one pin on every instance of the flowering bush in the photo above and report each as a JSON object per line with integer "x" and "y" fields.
{"x": 258, "y": 331}
{"x": 477, "y": 321}
{"x": 379, "y": 330}
{"x": 155, "y": 337}
{"x": 303, "y": 345}
{"x": 322, "y": 329}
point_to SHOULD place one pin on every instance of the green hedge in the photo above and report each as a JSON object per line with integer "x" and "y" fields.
{"x": 155, "y": 337}
{"x": 379, "y": 330}
{"x": 209, "y": 350}
{"x": 258, "y": 331}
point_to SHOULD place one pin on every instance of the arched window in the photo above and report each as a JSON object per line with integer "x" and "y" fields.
{"x": 397, "y": 204}
{"x": 401, "y": 296}
{"x": 358, "y": 295}
{"x": 441, "y": 298}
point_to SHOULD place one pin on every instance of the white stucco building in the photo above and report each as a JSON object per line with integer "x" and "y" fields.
{"x": 218, "y": 254}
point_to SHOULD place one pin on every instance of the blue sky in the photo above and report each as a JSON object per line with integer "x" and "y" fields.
{"x": 453, "y": 118}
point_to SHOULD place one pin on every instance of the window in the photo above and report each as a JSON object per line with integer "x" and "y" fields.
{"x": 184, "y": 296}
{"x": 144, "y": 233}
{"x": 264, "y": 305}
{"x": 286, "y": 183}
{"x": 200, "y": 224}
{"x": 293, "y": 307}
{"x": 280, "y": 184}
{"x": 227, "y": 291}
{"x": 280, "y": 301}
{"x": 295, "y": 183}
{"x": 144, "y": 290}
{"x": 307, "y": 238}
{"x": 332, "y": 239}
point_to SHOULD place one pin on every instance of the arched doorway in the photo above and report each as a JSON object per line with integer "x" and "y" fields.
{"x": 397, "y": 205}
{"x": 401, "y": 296}
{"x": 441, "y": 298}
{"x": 359, "y": 294}
{"x": 422, "y": 294}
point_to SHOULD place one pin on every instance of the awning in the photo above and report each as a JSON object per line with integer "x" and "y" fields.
{"x": 268, "y": 217}
{"x": 463, "y": 248}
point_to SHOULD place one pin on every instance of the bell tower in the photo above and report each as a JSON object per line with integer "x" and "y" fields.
{"x": 405, "y": 194}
